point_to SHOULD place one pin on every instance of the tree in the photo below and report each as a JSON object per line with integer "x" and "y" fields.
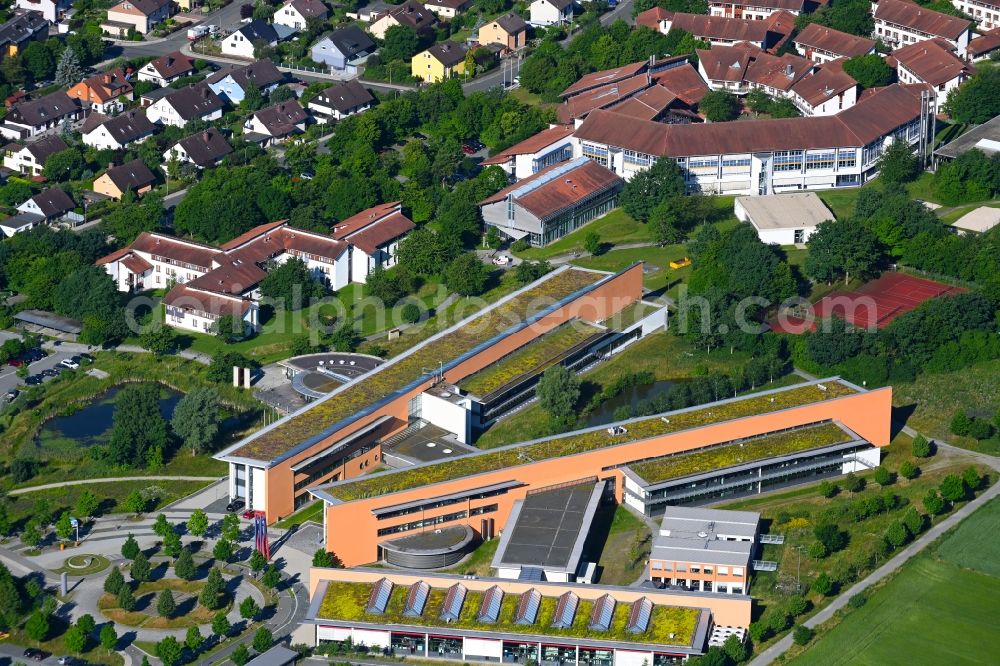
{"x": 827, "y": 489}
{"x": 135, "y": 503}
{"x": 64, "y": 165}
{"x": 64, "y": 528}
{"x": 802, "y": 634}
{"x": 257, "y": 561}
{"x": 161, "y": 527}
{"x": 529, "y": 271}
{"x": 322, "y": 558}
{"x": 263, "y": 640}
{"x": 646, "y": 189}
{"x": 68, "y": 71}
{"x": 933, "y": 503}
{"x": 882, "y": 476}
{"x": 4, "y": 521}
{"x": 870, "y": 71}
{"x": 241, "y": 655}
{"x": 87, "y": 504}
{"x": 291, "y": 285}
{"x": 720, "y": 106}
{"x": 130, "y": 549}
{"x": 223, "y": 550}
{"x": 401, "y": 43}
{"x": 75, "y": 639}
{"x": 130, "y": 219}
{"x": 159, "y": 340}
{"x": 972, "y": 478}
{"x": 89, "y": 293}
{"x": 230, "y": 328}
{"x": 249, "y": 609}
{"x": 842, "y": 248}
{"x": 953, "y": 488}
{"x": 908, "y": 470}
{"x": 139, "y": 431}
{"x": 197, "y": 524}
{"x": 822, "y": 585}
{"x": 913, "y": 521}
{"x": 37, "y": 626}
{"x": 109, "y": 637}
{"x": 220, "y": 625}
{"x": 558, "y": 391}
{"x": 757, "y": 101}
{"x": 31, "y": 535}
{"x": 830, "y": 536}
{"x": 714, "y": 656}
{"x": 193, "y": 639}
{"x": 196, "y": 422}
{"x": 961, "y": 424}
{"x": 126, "y": 600}
{"x": 467, "y": 275}
{"x": 231, "y": 527}
{"x": 920, "y": 447}
{"x": 140, "y": 569}
{"x": 86, "y": 623}
{"x": 169, "y": 650}
{"x": 211, "y": 593}
{"x": 854, "y": 483}
{"x": 897, "y": 534}
{"x": 797, "y": 605}
{"x": 735, "y": 649}
{"x": 817, "y": 550}
{"x": 165, "y": 604}
{"x": 114, "y": 582}
{"x": 184, "y": 566}
{"x": 592, "y": 242}
{"x": 898, "y": 163}
{"x": 978, "y": 100}
{"x": 271, "y": 577}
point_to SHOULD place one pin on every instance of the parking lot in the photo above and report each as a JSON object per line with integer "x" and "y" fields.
{"x": 8, "y": 374}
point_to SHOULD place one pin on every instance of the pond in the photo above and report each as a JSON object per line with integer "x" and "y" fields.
{"x": 91, "y": 425}
{"x": 631, "y": 397}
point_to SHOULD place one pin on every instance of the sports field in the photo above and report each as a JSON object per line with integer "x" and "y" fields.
{"x": 940, "y": 609}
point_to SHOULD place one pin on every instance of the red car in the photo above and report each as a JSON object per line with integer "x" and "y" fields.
{"x": 468, "y": 150}
{"x": 16, "y": 362}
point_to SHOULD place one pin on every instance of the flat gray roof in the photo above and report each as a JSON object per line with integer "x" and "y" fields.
{"x": 988, "y": 131}
{"x": 49, "y": 320}
{"x": 697, "y": 534}
{"x": 432, "y": 541}
{"x": 279, "y": 655}
{"x": 785, "y": 211}
{"x": 702, "y": 551}
{"x": 547, "y": 529}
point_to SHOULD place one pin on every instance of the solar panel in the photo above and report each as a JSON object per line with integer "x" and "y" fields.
{"x": 527, "y": 607}
{"x": 379, "y": 597}
{"x": 565, "y": 611}
{"x": 417, "y": 599}
{"x": 638, "y": 617}
{"x": 600, "y": 617}
{"x": 489, "y": 607}
{"x": 452, "y": 606}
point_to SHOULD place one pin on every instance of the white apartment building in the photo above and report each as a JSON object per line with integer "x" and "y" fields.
{"x": 762, "y": 156}
{"x": 985, "y": 12}
{"x": 898, "y": 23}
{"x": 535, "y": 153}
{"x": 758, "y": 10}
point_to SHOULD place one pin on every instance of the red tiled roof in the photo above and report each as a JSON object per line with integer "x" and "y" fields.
{"x": 578, "y": 106}
{"x": 834, "y": 41}
{"x": 776, "y": 72}
{"x": 647, "y": 105}
{"x": 135, "y": 264}
{"x": 259, "y": 230}
{"x": 358, "y": 221}
{"x": 920, "y": 18}
{"x": 721, "y": 27}
{"x": 685, "y": 82}
{"x": 234, "y": 275}
{"x": 173, "y": 64}
{"x": 380, "y": 233}
{"x": 555, "y": 195}
{"x": 187, "y": 298}
{"x": 604, "y": 77}
{"x": 824, "y": 82}
{"x": 930, "y": 61}
{"x": 985, "y": 43}
{"x": 532, "y": 144}
{"x": 184, "y": 251}
{"x": 651, "y": 18}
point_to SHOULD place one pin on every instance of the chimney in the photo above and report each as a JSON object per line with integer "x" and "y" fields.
{"x": 107, "y": 78}
{"x": 205, "y": 135}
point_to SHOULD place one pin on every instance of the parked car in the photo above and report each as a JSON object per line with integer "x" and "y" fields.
{"x": 11, "y": 395}
{"x": 235, "y": 505}
{"x": 249, "y": 514}
{"x": 468, "y": 150}
{"x": 33, "y": 380}
{"x": 71, "y": 363}
{"x": 51, "y": 372}
{"x": 16, "y": 362}
{"x": 502, "y": 260}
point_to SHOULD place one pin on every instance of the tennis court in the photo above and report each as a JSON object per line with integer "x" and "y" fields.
{"x": 878, "y": 302}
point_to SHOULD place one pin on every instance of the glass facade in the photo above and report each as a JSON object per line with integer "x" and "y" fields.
{"x": 547, "y": 160}
{"x": 597, "y": 153}
{"x": 788, "y": 160}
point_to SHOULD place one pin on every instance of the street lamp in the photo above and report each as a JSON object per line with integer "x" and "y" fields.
{"x": 75, "y": 524}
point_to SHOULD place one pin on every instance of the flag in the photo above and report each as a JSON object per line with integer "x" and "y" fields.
{"x": 260, "y": 536}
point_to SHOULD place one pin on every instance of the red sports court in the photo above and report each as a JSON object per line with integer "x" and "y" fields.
{"x": 877, "y": 302}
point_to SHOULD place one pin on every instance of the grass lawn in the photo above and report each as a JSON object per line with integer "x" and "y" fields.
{"x": 659, "y": 277}
{"x": 479, "y": 561}
{"x": 615, "y": 228}
{"x": 626, "y": 549}
{"x": 940, "y": 606}
{"x": 840, "y": 202}
{"x": 953, "y": 215}
{"x": 929, "y": 403}
{"x": 310, "y": 512}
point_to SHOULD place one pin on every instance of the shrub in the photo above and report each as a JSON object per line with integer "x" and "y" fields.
{"x": 797, "y": 605}
{"x": 961, "y": 424}
{"x": 921, "y": 448}
{"x": 980, "y": 429}
{"x": 831, "y": 536}
{"x": 759, "y": 632}
{"x": 854, "y": 483}
{"x": 972, "y": 478}
{"x": 817, "y": 550}
{"x": 827, "y": 489}
{"x": 822, "y": 585}
{"x": 779, "y": 621}
{"x": 410, "y": 313}
{"x": 857, "y": 600}
{"x": 933, "y": 503}
{"x": 882, "y": 476}
{"x": 908, "y": 470}
{"x": 802, "y": 634}
{"x": 953, "y": 488}
{"x": 520, "y": 245}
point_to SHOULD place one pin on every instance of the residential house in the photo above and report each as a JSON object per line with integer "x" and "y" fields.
{"x": 509, "y": 31}
{"x": 342, "y": 48}
{"x": 983, "y": 46}
{"x": 439, "y": 62}
{"x": 898, "y": 23}
{"x": 411, "y": 14}
{"x": 548, "y": 147}
{"x": 117, "y": 180}
{"x": 758, "y": 10}
{"x": 985, "y": 12}
{"x": 373, "y": 236}
{"x": 763, "y": 156}
{"x": 371, "y": 12}
{"x": 296, "y": 13}
{"x": 247, "y": 37}
{"x": 551, "y": 12}
{"x": 51, "y": 10}
{"x": 931, "y": 62}
{"x": 231, "y": 84}
{"x": 17, "y": 33}
{"x": 559, "y": 199}
{"x": 167, "y": 68}
{"x": 181, "y": 106}
{"x": 33, "y": 117}
{"x": 29, "y": 159}
{"x": 117, "y": 133}
{"x": 202, "y": 149}
{"x": 822, "y": 44}
{"x": 50, "y": 204}
{"x": 340, "y": 100}
{"x": 768, "y": 34}
{"x": 138, "y": 15}
{"x": 447, "y": 9}
{"x": 277, "y": 123}
{"x": 103, "y": 92}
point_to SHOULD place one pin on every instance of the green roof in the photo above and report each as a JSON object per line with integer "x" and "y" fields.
{"x": 630, "y": 315}
{"x": 347, "y": 602}
{"x": 656, "y": 470}
{"x": 535, "y": 356}
{"x": 395, "y": 375}
{"x": 585, "y": 440}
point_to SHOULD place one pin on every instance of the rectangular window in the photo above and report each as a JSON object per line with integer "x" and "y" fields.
{"x": 723, "y": 571}
{"x": 597, "y": 153}
{"x": 847, "y": 159}
{"x": 788, "y": 160}
{"x": 637, "y": 158}
{"x": 695, "y": 568}
{"x": 708, "y": 570}
{"x": 657, "y": 566}
{"x": 737, "y": 571}
{"x": 821, "y": 160}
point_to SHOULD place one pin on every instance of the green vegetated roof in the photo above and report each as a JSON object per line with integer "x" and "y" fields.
{"x": 348, "y": 601}
{"x": 536, "y": 355}
{"x": 394, "y": 376}
{"x": 583, "y": 441}
{"x": 719, "y": 457}
{"x": 629, "y": 315}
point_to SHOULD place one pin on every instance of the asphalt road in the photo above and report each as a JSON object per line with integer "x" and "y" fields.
{"x": 11, "y": 654}
{"x": 8, "y": 374}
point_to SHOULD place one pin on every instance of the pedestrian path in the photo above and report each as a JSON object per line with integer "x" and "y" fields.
{"x": 113, "y": 479}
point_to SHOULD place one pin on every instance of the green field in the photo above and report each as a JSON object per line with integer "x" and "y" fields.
{"x": 933, "y": 612}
